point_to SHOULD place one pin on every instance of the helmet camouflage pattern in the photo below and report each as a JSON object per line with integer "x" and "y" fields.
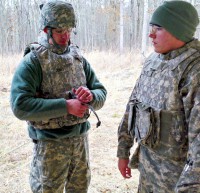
{"x": 57, "y": 14}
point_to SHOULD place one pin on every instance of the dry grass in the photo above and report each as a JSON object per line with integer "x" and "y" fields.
{"x": 118, "y": 74}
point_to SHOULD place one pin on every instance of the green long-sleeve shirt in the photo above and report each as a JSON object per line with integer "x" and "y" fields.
{"x": 25, "y": 106}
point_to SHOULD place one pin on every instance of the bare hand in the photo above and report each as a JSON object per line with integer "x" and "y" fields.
{"x": 83, "y": 94}
{"x": 123, "y": 168}
{"x": 76, "y": 108}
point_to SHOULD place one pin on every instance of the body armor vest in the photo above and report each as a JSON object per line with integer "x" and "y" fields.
{"x": 157, "y": 106}
{"x": 61, "y": 73}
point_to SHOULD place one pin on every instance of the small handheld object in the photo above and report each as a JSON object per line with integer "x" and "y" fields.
{"x": 73, "y": 96}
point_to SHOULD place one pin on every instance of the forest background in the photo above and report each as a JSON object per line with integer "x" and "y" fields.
{"x": 119, "y": 25}
{"x": 113, "y": 36}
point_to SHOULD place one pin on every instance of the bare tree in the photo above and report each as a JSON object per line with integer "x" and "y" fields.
{"x": 145, "y": 27}
{"x": 121, "y": 26}
{"x": 102, "y": 24}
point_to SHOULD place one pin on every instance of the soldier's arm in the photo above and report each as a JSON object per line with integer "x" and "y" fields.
{"x": 25, "y": 103}
{"x": 189, "y": 180}
{"x": 95, "y": 86}
{"x": 125, "y": 139}
{"x": 125, "y": 142}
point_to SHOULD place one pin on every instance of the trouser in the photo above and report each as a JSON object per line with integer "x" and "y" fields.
{"x": 60, "y": 166}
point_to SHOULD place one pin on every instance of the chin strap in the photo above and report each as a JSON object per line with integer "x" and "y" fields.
{"x": 57, "y": 46}
{"x": 50, "y": 36}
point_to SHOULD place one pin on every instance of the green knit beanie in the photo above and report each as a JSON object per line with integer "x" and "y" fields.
{"x": 180, "y": 18}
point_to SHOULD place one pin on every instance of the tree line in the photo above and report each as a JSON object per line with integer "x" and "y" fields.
{"x": 102, "y": 24}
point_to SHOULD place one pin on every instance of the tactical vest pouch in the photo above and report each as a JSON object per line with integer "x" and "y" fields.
{"x": 173, "y": 127}
{"x": 161, "y": 129}
{"x": 147, "y": 125}
{"x": 131, "y": 117}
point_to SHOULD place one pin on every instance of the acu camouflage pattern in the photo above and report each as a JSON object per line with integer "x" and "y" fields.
{"x": 59, "y": 165}
{"x": 165, "y": 120}
{"x": 61, "y": 73}
{"x": 57, "y": 14}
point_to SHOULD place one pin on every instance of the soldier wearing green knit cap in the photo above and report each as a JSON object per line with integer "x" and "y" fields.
{"x": 162, "y": 117}
{"x": 53, "y": 89}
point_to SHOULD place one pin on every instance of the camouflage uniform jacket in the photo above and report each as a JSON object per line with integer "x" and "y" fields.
{"x": 163, "y": 115}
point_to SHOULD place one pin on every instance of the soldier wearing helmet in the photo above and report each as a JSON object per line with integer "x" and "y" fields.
{"x": 57, "y": 15}
{"x": 53, "y": 89}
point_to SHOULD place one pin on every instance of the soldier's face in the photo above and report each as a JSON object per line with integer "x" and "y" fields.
{"x": 163, "y": 41}
{"x": 61, "y": 35}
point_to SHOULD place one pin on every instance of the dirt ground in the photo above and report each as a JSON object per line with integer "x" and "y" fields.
{"x": 16, "y": 147}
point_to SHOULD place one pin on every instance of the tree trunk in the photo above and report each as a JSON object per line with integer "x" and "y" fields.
{"x": 121, "y": 26}
{"x": 145, "y": 28}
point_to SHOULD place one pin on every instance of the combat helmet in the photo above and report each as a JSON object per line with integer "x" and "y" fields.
{"x": 57, "y": 14}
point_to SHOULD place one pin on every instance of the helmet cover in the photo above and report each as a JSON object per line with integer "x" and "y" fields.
{"x": 57, "y": 14}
